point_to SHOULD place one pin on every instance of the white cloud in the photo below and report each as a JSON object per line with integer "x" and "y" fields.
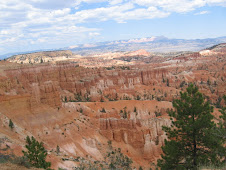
{"x": 217, "y": 2}
{"x": 114, "y": 2}
{"x": 4, "y": 32}
{"x": 180, "y": 6}
{"x": 104, "y": 13}
{"x": 25, "y": 22}
{"x": 94, "y": 34}
{"x": 202, "y": 12}
{"x": 173, "y": 5}
{"x": 119, "y": 13}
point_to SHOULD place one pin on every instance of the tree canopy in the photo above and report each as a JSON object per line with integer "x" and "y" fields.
{"x": 36, "y": 153}
{"x": 191, "y": 141}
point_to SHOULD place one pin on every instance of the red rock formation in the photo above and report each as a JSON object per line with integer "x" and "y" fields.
{"x": 34, "y": 98}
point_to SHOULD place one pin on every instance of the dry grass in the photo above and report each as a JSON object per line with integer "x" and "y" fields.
{"x": 10, "y": 166}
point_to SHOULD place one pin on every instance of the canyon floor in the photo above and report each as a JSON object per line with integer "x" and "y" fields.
{"x": 80, "y": 103}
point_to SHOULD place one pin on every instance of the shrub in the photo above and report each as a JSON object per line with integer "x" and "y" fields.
{"x": 4, "y": 158}
{"x": 81, "y": 110}
{"x": 23, "y": 161}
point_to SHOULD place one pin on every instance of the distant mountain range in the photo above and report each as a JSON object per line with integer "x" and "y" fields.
{"x": 152, "y": 44}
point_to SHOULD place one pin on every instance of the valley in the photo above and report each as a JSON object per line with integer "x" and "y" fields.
{"x": 80, "y": 103}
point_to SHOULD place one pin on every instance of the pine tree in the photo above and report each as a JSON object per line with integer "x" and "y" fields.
{"x": 220, "y": 131}
{"x": 167, "y": 82}
{"x": 57, "y": 149}
{"x": 135, "y": 109}
{"x": 103, "y": 110}
{"x": 11, "y": 125}
{"x": 36, "y": 153}
{"x": 190, "y": 139}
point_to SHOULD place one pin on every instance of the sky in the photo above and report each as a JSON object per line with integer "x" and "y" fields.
{"x": 27, "y": 25}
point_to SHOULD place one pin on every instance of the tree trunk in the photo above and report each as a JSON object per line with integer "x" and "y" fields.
{"x": 194, "y": 144}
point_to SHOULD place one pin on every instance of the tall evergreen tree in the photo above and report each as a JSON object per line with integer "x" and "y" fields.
{"x": 220, "y": 131}
{"x": 36, "y": 153}
{"x": 190, "y": 139}
{"x": 11, "y": 125}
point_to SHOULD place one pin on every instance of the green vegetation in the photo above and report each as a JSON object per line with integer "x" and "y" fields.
{"x": 78, "y": 97}
{"x": 125, "y": 67}
{"x": 135, "y": 109}
{"x": 163, "y": 80}
{"x": 167, "y": 82}
{"x": 57, "y": 149}
{"x": 81, "y": 110}
{"x": 117, "y": 160}
{"x": 102, "y": 99}
{"x": 124, "y": 113}
{"x": 208, "y": 82}
{"x": 220, "y": 131}
{"x": 36, "y": 153}
{"x": 11, "y": 125}
{"x": 110, "y": 68}
{"x": 87, "y": 98}
{"x": 157, "y": 114}
{"x": 137, "y": 97}
{"x": 218, "y": 103}
{"x": 103, "y": 110}
{"x": 192, "y": 141}
{"x": 125, "y": 97}
{"x": 140, "y": 168}
{"x": 182, "y": 84}
{"x": 22, "y": 161}
{"x": 114, "y": 159}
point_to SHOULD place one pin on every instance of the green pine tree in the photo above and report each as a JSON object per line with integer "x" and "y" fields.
{"x": 11, "y": 125}
{"x": 103, "y": 110}
{"x": 191, "y": 141}
{"x": 36, "y": 153}
{"x": 167, "y": 82}
{"x": 220, "y": 131}
{"x": 57, "y": 149}
{"x": 135, "y": 109}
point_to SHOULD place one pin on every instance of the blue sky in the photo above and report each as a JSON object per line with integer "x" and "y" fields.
{"x": 27, "y": 25}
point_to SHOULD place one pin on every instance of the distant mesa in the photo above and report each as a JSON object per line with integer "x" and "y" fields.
{"x": 140, "y": 52}
{"x": 41, "y": 57}
{"x": 107, "y": 59}
{"x": 216, "y": 49}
